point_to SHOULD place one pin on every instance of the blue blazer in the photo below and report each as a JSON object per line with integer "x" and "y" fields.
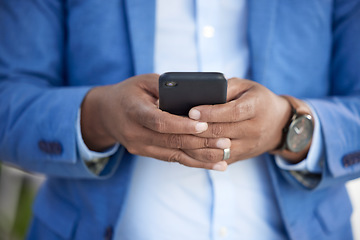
{"x": 53, "y": 51}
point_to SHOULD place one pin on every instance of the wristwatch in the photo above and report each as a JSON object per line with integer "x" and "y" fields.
{"x": 297, "y": 133}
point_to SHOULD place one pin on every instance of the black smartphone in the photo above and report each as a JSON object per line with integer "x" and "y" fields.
{"x": 181, "y": 91}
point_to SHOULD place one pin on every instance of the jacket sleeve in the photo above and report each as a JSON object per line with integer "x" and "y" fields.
{"x": 339, "y": 113}
{"x": 38, "y": 110}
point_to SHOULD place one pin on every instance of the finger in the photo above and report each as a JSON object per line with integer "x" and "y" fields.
{"x": 206, "y": 154}
{"x": 136, "y": 135}
{"x": 237, "y": 87}
{"x": 187, "y": 141}
{"x": 234, "y": 111}
{"x": 243, "y": 149}
{"x": 163, "y": 122}
{"x": 149, "y": 137}
{"x": 144, "y": 109}
{"x": 177, "y": 155}
{"x": 150, "y": 84}
{"x": 238, "y": 130}
{"x": 146, "y": 112}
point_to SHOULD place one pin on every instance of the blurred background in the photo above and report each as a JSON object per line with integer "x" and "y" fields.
{"x": 18, "y": 189}
{"x": 17, "y": 192}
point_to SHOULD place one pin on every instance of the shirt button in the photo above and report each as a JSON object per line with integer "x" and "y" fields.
{"x": 223, "y": 232}
{"x": 208, "y": 31}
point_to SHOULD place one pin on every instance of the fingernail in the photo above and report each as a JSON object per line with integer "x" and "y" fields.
{"x": 201, "y": 127}
{"x": 223, "y": 143}
{"x": 220, "y": 166}
{"x": 194, "y": 114}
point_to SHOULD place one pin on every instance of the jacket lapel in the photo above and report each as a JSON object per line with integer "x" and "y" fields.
{"x": 141, "y": 22}
{"x": 262, "y": 16}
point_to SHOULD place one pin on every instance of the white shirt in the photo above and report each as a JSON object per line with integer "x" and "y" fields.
{"x": 171, "y": 201}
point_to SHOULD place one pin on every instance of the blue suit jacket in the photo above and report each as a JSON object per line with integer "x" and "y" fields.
{"x": 53, "y": 51}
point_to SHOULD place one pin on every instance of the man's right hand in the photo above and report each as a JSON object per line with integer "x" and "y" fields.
{"x": 128, "y": 113}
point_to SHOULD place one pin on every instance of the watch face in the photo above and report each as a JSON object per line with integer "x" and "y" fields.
{"x": 300, "y": 133}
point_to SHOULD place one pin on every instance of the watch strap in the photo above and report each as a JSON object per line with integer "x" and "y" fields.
{"x": 285, "y": 130}
{"x": 295, "y": 103}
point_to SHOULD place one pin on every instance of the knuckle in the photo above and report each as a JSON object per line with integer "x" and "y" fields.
{"x": 237, "y": 112}
{"x": 217, "y": 130}
{"x": 175, "y": 141}
{"x": 245, "y": 108}
{"x": 174, "y": 157}
{"x": 250, "y": 107}
{"x": 159, "y": 124}
{"x": 211, "y": 156}
{"x": 206, "y": 142}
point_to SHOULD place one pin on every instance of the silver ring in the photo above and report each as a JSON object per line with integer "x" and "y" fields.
{"x": 226, "y": 153}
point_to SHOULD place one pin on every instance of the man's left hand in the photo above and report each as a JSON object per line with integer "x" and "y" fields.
{"x": 253, "y": 118}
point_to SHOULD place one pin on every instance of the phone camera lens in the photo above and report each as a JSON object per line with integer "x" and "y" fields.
{"x": 170, "y": 84}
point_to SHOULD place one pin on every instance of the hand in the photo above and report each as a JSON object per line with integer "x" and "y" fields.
{"x": 128, "y": 113}
{"x": 253, "y": 118}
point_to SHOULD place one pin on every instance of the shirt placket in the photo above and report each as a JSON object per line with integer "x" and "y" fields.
{"x": 208, "y": 39}
{"x": 222, "y": 205}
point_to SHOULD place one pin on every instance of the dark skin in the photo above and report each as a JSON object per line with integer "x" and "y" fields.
{"x": 253, "y": 118}
{"x": 250, "y": 123}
